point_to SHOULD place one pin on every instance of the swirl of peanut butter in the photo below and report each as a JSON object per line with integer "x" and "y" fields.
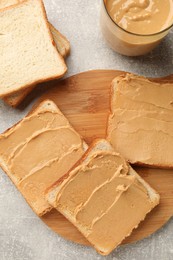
{"x": 141, "y": 16}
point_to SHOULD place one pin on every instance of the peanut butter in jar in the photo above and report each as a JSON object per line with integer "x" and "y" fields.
{"x": 135, "y": 27}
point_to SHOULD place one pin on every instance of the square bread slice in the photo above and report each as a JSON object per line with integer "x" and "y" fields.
{"x": 103, "y": 197}
{"x": 63, "y": 47}
{"x": 28, "y": 52}
{"x": 38, "y": 150}
{"x": 140, "y": 124}
{"x": 62, "y": 44}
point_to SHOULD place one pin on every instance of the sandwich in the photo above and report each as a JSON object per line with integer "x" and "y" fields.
{"x": 140, "y": 124}
{"x": 103, "y": 197}
{"x": 39, "y": 150}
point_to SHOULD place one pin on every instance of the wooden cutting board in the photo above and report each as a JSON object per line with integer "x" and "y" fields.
{"x": 84, "y": 99}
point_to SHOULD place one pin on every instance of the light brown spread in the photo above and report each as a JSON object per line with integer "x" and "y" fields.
{"x": 141, "y": 16}
{"x": 103, "y": 200}
{"x": 141, "y": 124}
{"x": 135, "y": 27}
{"x": 38, "y": 151}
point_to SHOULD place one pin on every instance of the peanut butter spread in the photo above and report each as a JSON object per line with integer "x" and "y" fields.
{"x": 141, "y": 124}
{"x": 141, "y": 16}
{"x": 38, "y": 151}
{"x": 103, "y": 200}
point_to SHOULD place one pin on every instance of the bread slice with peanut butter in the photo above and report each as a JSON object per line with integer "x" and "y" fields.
{"x": 38, "y": 150}
{"x": 140, "y": 124}
{"x": 103, "y": 197}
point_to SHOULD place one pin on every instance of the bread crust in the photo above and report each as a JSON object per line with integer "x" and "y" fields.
{"x": 111, "y": 94}
{"x": 67, "y": 45}
{"x": 15, "y": 101}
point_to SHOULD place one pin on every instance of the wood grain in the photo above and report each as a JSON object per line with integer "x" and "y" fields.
{"x": 84, "y": 99}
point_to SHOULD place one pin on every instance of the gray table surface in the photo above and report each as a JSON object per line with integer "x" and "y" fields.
{"x": 23, "y": 236}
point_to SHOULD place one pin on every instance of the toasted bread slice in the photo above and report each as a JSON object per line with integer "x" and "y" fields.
{"x": 140, "y": 125}
{"x": 39, "y": 150}
{"x": 103, "y": 197}
{"x": 36, "y": 58}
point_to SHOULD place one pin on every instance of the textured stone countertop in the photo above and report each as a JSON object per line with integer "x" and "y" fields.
{"x": 23, "y": 236}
